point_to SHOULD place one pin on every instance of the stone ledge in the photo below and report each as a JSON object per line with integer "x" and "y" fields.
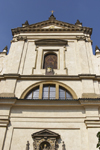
{"x": 92, "y": 123}
{"x": 4, "y": 122}
{"x": 90, "y": 95}
{"x": 7, "y": 95}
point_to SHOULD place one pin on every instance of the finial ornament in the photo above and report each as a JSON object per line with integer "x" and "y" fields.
{"x": 96, "y": 48}
{"x": 52, "y": 17}
{"x": 78, "y": 23}
{"x": 52, "y": 11}
{"x": 5, "y": 50}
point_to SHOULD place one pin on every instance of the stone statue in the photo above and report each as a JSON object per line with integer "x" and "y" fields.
{"x": 63, "y": 146}
{"x": 45, "y": 147}
{"x": 27, "y": 145}
{"x": 98, "y": 144}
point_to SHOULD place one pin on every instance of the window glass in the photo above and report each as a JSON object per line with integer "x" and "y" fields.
{"x": 52, "y": 92}
{"x": 64, "y": 94}
{"x": 61, "y": 93}
{"x": 68, "y": 95}
{"x": 45, "y": 92}
{"x": 49, "y": 92}
{"x": 34, "y": 94}
{"x": 29, "y": 96}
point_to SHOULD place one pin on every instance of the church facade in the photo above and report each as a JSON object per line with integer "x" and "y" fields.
{"x": 50, "y": 88}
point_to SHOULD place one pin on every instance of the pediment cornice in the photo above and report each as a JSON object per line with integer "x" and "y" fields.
{"x": 45, "y": 133}
{"x": 60, "y": 27}
{"x": 52, "y": 42}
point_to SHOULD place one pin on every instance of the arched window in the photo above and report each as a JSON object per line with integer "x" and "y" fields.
{"x": 50, "y": 60}
{"x": 33, "y": 94}
{"x": 64, "y": 94}
{"x": 49, "y": 91}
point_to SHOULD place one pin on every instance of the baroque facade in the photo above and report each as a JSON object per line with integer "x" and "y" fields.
{"x": 50, "y": 88}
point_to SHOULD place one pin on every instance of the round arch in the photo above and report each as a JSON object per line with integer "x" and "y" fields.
{"x": 56, "y": 83}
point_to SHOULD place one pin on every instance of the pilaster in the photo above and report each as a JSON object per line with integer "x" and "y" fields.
{"x": 83, "y": 57}
{"x": 15, "y": 56}
{"x": 30, "y": 58}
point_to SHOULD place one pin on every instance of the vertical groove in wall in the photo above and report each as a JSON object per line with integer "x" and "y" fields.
{"x": 42, "y": 59}
{"x": 64, "y": 59}
{"x": 4, "y": 138}
{"x": 77, "y": 56}
{"x": 35, "y": 58}
{"x": 11, "y": 139}
{"x": 91, "y": 54}
{"x": 88, "y": 58}
{"x": 25, "y": 58}
{"x": 21, "y": 56}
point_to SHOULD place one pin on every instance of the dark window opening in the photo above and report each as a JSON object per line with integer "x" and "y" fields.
{"x": 50, "y": 60}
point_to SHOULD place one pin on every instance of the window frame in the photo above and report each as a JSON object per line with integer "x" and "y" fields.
{"x": 51, "y": 51}
{"x": 57, "y": 87}
{"x": 48, "y": 85}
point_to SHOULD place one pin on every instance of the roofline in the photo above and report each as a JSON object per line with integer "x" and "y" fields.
{"x": 36, "y": 29}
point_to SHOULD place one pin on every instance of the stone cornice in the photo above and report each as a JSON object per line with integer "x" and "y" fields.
{"x": 4, "y": 122}
{"x": 56, "y": 103}
{"x": 64, "y": 27}
{"x": 8, "y": 100}
{"x": 92, "y": 123}
{"x": 51, "y": 42}
{"x": 49, "y": 77}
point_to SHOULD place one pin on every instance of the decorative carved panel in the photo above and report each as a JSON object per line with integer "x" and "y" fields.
{"x": 45, "y": 140}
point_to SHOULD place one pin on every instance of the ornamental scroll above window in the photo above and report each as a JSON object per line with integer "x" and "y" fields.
{"x": 49, "y": 91}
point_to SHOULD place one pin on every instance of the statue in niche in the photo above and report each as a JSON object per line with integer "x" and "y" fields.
{"x": 45, "y": 146}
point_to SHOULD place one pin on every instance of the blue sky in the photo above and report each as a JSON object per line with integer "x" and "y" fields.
{"x": 15, "y": 12}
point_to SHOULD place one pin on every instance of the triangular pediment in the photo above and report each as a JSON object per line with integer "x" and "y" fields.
{"x": 45, "y": 133}
{"x": 52, "y": 25}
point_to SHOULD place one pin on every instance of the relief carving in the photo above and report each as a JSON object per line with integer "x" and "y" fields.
{"x": 45, "y": 140}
